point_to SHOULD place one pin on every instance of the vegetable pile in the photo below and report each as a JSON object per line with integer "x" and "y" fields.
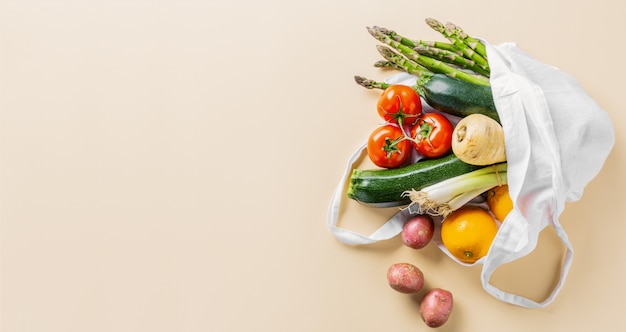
{"x": 437, "y": 158}
{"x": 440, "y": 152}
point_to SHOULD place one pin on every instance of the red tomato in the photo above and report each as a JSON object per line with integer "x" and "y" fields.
{"x": 399, "y": 103}
{"x": 432, "y": 135}
{"x": 388, "y": 147}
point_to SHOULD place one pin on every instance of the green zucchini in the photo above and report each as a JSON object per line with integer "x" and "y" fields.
{"x": 456, "y": 97}
{"x": 385, "y": 187}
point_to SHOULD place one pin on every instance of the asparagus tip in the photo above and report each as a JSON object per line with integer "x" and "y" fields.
{"x": 378, "y": 32}
{"x": 362, "y": 81}
{"x": 434, "y": 24}
{"x": 386, "y": 52}
{"x": 456, "y": 29}
{"x": 385, "y": 31}
{"x": 381, "y": 64}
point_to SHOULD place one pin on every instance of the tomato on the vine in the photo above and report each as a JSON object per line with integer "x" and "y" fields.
{"x": 399, "y": 104}
{"x": 432, "y": 135}
{"x": 388, "y": 147}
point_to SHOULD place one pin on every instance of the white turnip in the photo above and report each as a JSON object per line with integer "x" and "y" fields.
{"x": 479, "y": 140}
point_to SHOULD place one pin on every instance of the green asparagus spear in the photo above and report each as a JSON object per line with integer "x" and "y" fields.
{"x": 402, "y": 63}
{"x": 392, "y": 65}
{"x": 473, "y": 43}
{"x": 371, "y": 84}
{"x": 434, "y": 65}
{"x": 450, "y": 57}
{"x": 441, "y": 45}
{"x": 445, "y": 52}
{"x": 415, "y": 43}
{"x": 458, "y": 42}
{"x": 386, "y": 64}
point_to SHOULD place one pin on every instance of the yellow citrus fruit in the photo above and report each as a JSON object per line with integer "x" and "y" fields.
{"x": 468, "y": 232}
{"x": 499, "y": 201}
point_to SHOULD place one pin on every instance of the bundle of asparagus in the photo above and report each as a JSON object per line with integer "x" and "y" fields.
{"x": 464, "y": 57}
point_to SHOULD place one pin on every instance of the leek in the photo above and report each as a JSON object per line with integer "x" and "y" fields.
{"x": 442, "y": 198}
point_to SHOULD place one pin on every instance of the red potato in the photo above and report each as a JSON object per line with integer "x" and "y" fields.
{"x": 405, "y": 278}
{"x": 436, "y": 307}
{"x": 418, "y": 231}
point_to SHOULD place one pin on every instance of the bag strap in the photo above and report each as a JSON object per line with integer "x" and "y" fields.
{"x": 388, "y": 230}
{"x": 526, "y": 116}
{"x": 505, "y": 253}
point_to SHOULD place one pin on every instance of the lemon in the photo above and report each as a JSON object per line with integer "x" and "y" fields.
{"x": 468, "y": 232}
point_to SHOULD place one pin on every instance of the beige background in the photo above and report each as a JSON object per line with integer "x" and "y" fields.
{"x": 167, "y": 166}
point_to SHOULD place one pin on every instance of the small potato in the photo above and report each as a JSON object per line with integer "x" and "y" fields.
{"x": 436, "y": 307}
{"x": 418, "y": 231}
{"x": 405, "y": 278}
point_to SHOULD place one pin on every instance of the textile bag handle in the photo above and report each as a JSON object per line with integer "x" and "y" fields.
{"x": 388, "y": 230}
{"x": 526, "y": 117}
{"x": 503, "y": 251}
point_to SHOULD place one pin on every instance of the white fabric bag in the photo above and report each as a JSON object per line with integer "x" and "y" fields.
{"x": 557, "y": 139}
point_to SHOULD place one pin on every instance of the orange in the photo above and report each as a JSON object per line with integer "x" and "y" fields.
{"x": 499, "y": 201}
{"x": 468, "y": 232}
